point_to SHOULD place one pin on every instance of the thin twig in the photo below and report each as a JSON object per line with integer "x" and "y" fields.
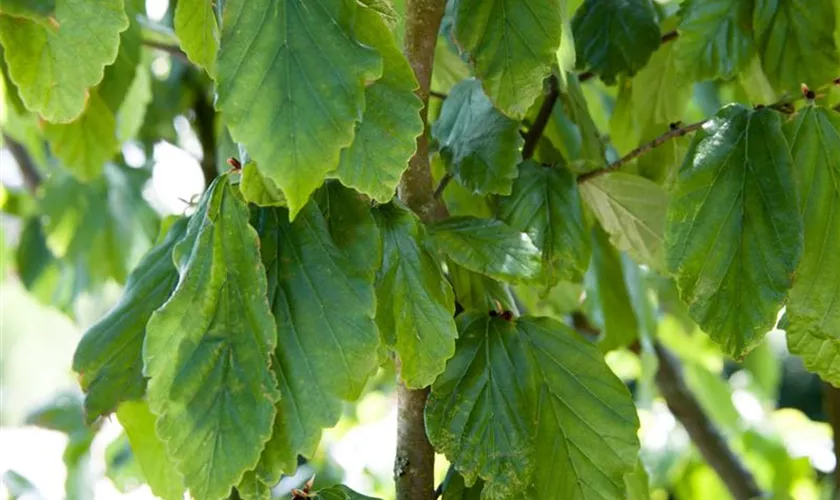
{"x": 704, "y": 435}
{"x": 639, "y": 151}
{"x": 30, "y": 174}
{"x": 444, "y": 181}
{"x": 172, "y": 50}
{"x": 437, "y": 95}
{"x": 532, "y": 138}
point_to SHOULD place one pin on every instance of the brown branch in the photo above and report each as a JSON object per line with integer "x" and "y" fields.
{"x": 415, "y": 458}
{"x": 438, "y": 95}
{"x": 28, "y": 170}
{"x": 444, "y": 181}
{"x": 532, "y": 138}
{"x": 674, "y": 132}
{"x": 205, "y": 127}
{"x": 704, "y": 435}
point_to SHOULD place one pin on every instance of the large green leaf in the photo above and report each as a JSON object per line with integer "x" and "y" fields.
{"x": 198, "y": 32}
{"x": 512, "y": 44}
{"x": 207, "y": 350}
{"x": 546, "y": 205}
{"x": 86, "y": 143}
{"x": 615, "y": 38}
{"x": 291, "y": 83}
{"x": 479, "y": 145}
{"x": 586, "y": 422}
{"x": 489, "y": 247}
{"x": 734, "y": 235}
{"x": 385, "y": 138}
{"x": 797, "y": 45}
{"x": 474, "y": 291}
{"x": 322, "y": 297}
{"x": 529, "y": 406}
{"x": 415, "y": 302}
{"x": 158, "y": 471}
{"x": 813, "y": 313}
{"x": 54, "y": 66}
{"x": 716, "y": 39}
{"x": 632, "y": 210}
{"x": 109, "y": 358}
{"x": 479, "y": 411}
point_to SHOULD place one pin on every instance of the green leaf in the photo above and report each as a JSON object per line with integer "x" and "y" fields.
{"x": 474, "y": 291}
{"x": 479, "y": 145}
{"x": 88, "y": 142}
{"x": 455, "y": 489}
{"x": 813, "y": 313}
{"x": 415, "y": 302}
{"x": 591, "y": 146}
{"x": 615, "y": 38}
{"x": 198, "y": 32}
{"x": 158, "y": 470}
{"x": 716, "y": 40}
{"x": 132, "y": 112}
{"x": 489, "y": 247}
{"x": 386, "y": 137}
{"x": 478, "y": 412}
{"x": 660, "y": 94}
{"x": 54, "y": 66}
{"x": 586, "y": 422}
{"x": 546, "y": 205}
{"x": 340, "y": 492}
{"x": 608, "y": 303}
{"x": 323, "y": 301}
{"x": 511, "y": 45}
{"x": 118, "y": 76}
{"x": 95, "y": 225}
{"x": 291, "y": 82}
{"x": 632, "y": 210}
{"x": 532, "y": 396}
{"x": 258, "y": 189}
{"x": 51, "y": 281}
{"x": 798, "y": 44}
{"x": 109, "y": 358}
{"x": 733, "y": 236}
{"x": 32, "y": 9}
{"x": 207, "y": 350}
{"x": 637, "y": 483}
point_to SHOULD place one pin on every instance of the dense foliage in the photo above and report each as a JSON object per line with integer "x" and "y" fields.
{"x": 606, "y": 168}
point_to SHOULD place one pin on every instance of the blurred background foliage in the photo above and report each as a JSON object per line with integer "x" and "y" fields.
{"x": 771, "y": 410}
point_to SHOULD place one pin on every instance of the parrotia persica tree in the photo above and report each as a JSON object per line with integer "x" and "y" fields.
{"x": 669, "y": 156}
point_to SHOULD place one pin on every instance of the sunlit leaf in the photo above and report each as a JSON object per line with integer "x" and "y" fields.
{"x": 148, "y": 450}
{"x": 291, "y": 83}
{"x": 86, "y": 143}
{"x": 54, "y": 66}
{"x": 258, "y": 189}
{"x": 813, "y": 313}
{"x": 511, "y": 44}
{"x": 385, "y": 137}
{"x": 207, "y": 350}
{"x": 734, "y": 234}
{"x": 632, "y": 210}
{"x": 198, "y": 32}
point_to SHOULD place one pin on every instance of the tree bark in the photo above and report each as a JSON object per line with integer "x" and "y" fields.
{"x": 415, "y": 458}
{"x": 703, "y": 433}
